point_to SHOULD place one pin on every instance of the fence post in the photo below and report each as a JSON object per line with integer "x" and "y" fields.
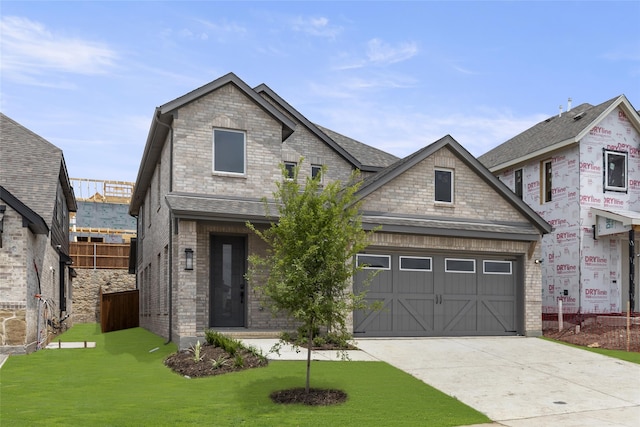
{"x": 560, "y": 320}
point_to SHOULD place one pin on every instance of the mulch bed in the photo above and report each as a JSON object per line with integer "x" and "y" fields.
{"x": 315, "y": 397}
{"x": 184, "y": 363}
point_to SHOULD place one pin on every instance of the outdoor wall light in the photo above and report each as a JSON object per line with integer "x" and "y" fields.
{"x": 538, "y": 261}
{"x": 188, "y": 254}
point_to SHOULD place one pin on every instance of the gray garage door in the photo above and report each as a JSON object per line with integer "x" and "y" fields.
{"x": 438, "y": 295}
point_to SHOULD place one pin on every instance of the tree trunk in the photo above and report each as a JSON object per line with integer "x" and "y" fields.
{"x": 309, "y": 345}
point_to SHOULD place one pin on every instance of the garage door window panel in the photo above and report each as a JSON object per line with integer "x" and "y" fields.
{"x": 496, "y": 267}
{"x": 409, "y": 263}
{"x": 374, "y": 262}
{"x": 458, "y": 265}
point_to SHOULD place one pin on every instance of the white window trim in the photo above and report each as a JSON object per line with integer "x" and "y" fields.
{"x": 293, "y": 171}
{"x": 453, "y": 198}
{"x": 543, "y": 181}
{"x": 484, "y": 267}
{"x": 446, "y": 270}
{"x": 388, "y": 257}
{"x": 608, "y": 187}
{"x": 416, "y": 269}
{"x": 213, "y": 152}
{"x": 321, "y": 174}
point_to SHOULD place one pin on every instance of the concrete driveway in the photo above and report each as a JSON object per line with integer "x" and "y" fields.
{"x": 519, "y": 381}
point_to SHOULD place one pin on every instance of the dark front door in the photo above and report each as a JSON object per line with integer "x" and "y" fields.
{"x": 227, "y": 288}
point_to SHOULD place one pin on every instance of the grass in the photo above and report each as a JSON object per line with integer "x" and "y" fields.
{"x": 123, "y": 383}
{"x": 629, "y": 356}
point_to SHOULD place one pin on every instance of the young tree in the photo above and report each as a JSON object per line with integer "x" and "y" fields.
{"x": 310, "y": 257}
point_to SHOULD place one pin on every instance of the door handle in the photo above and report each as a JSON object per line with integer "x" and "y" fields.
{"x": 242, "y": 294}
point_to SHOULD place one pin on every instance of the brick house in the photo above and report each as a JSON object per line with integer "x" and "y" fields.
{"x": 35, "y": 201}
{"x": 462, "y": 250}
{"x": 580, "y": 170}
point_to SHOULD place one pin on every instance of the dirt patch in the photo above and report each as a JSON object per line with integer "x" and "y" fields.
{"x": 598, "y": 336}
{"x": 214, "y": 361}
{"x": 315, "y": 397}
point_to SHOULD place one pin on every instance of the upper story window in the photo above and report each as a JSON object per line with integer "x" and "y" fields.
{"x": 290, "y": 168}
{"x": 444, "y": 185}
{"x": 546, "y": 179}
{"x": 229, "y": 151}
{"x": 518, "y": 183}
{"x": 316, "y": 170}
{"x": 615, "y": 170}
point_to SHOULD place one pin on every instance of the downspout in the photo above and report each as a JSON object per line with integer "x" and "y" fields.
{"x": 632, "y": 269}
{"x": 171, "y": 219}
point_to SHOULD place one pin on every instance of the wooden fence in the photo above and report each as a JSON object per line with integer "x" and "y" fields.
{"x": 99, "y": 255}
{"x": 119, "y": 310}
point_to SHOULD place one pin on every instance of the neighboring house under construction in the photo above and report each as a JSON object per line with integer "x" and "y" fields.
{"x": 100, "y": 232}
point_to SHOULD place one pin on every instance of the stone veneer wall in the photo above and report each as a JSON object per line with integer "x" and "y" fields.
{"x": 86, "y": 291}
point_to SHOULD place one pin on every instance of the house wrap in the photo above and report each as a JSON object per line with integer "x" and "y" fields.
{"x": 580, "y": 170}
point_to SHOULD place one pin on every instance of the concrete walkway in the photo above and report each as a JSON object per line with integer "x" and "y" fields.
{"x": 515, "y": 381}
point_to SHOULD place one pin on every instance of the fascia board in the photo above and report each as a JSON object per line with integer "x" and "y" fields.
{"x": 536, "y": 154}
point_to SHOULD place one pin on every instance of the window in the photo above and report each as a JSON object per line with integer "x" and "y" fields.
{"x": 456, "y": 265}
{"x": 290, "y": 167}
{"x": 413, "y": 263}
{"x": 444, "y": 185}
{"x": 615, "y": 171}
{"x": 547, "y": 175}
{"x": 518, "y": 183}
{"x": 374, "y": 262}
{"x": 316, "y": 170}
{"x": 496, "y": 267}
{"x": 228, "y": 151}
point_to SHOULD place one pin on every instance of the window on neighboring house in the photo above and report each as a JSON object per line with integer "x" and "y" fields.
{"x": 444, "y": 185}
{"x": 316, "y": 170}
{"x": 547, "y": 175}
{"x": 518, "y": 183}
{"x": 615, "y": 170}
{"x": 290, "y": 167}
{"x": 228, "y": 151}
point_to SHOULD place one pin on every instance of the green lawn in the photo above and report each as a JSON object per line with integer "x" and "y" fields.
{"x": 629, "y": 356}
{"x": 122, "y": 383}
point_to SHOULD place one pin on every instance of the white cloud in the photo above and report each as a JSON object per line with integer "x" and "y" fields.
{"x": 319, "y": 27}
{"x": 379, "y": 52}
{"x": 221, "y": 31}
{"x": 30, "y": 49}
{"x": 401, "y": 132}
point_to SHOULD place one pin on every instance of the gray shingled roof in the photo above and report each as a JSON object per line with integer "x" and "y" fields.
{"x": 452, "y": 227}
{"x": 200, "y": 206}
{"x": 365, "y": 154}
{"x": 547, "y": 133}
{"x": 31, "y": 168}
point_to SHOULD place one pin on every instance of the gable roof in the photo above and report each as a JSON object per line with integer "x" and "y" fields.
{"x": 361, "y": 156}
{"x": 163, "y": 117}
{"x": 371, "y": 159}
{"x": 376, "y": 181}
{"x": 31, "y": 169}
{"x": 554, "y": 133}
{"x": 29, "y": 218}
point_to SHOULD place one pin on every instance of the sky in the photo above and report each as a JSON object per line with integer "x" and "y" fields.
{"x": 87, "y": 76}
